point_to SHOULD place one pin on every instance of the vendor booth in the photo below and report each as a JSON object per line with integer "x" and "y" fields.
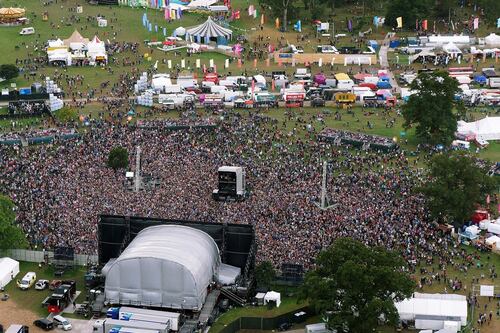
{"x": 9, "y": 268}
{"x": 273, "y": 296}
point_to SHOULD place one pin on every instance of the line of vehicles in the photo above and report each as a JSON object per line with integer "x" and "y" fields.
{"x": 243, "y": 92}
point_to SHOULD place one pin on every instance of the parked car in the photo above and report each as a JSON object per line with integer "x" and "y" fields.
{"x": 284, "y": 327}
{"x": 27, "y": 31}
{"x": 42, "y": 284}
{"x": 54, "y": 284}
{"x": 44, "y": 324}
{"x": 317, "y": 102}
{"x": 61, "y": 322}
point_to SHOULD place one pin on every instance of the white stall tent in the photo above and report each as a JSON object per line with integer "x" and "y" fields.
{"x": 493, "y": 241}
{"x": 9, "y": 268}
{"x": 431, "y": 311}
{"x": 492, "y": 40}
{"x": 487, "y": 128}
{"x": 494, "y": 228}
{"x": 273, "y": 296}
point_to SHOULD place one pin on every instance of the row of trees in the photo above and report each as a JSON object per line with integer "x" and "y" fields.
{"x": 409, "y": 10}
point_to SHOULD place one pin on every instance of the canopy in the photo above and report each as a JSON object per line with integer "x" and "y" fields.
{"x": 201, "y": 3}
{"x": 492, "y": 39}
{"x": 209, "y": 29}
{"x": 452, "y": 49}
{"x": 12, "y": 12}
{"x": 76, "y": 38}
{"x": 180, "y": 31}
{"x": 9, "y": 268}
{"x": 485, "y": 129}
{"x": 274, "y": 297}
{"x": 422, "y": 54}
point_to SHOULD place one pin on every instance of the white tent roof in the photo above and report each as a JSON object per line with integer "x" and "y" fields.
{"x": 164, "y": 266}
{"x": 436, "y": 305}
{"x": 210, "y": 29}
{"x": 9, "y": 268}
{"x": 492, "y": 39}
{"x": 451, "y": 48}
{"x": 273, "y": 296}
{"x": 485, "y": 129}
{"x": 424, "y": 53}
{"x": 201, "y": 3}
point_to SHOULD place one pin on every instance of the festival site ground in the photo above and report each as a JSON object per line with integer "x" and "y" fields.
{"x": 275, "y": 146}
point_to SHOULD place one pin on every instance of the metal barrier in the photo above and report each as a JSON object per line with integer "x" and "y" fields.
{"x": 38, "y": 256}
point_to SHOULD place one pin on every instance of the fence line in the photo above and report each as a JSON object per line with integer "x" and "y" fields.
{"x": 38, "y": 256}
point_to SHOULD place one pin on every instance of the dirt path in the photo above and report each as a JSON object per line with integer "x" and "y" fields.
{"x": 10, "y": 314}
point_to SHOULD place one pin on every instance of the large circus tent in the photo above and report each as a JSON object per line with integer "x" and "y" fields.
{"x": 209, "y": 32}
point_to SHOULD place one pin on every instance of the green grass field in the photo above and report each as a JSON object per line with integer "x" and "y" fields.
{"x": 32, "y": 299}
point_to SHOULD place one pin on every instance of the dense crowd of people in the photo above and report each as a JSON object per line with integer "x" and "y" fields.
{"x": 60, "y": 190}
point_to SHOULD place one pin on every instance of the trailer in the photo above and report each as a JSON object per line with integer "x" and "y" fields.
{"x": 17, "y": 329}
{"x": 121, "y": 329}
{"x": 107, "y": 325}
{"x": 148, "y": 315}
{"x": 62, "y": 296}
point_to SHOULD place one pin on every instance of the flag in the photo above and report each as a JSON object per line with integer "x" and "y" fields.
{"x": 226, "y": 63}
{"x": 262, "y": 19}
{"x": 416, "y": 24}
{"x": 253, "y": 87}
{"x": 349, "y": 25}
{"x": 476, "y": 23}
{"x": 156, "y": 28}
{"x": 375, "y": 21}
{"x": 250, "y": 10}
{"x": 169, "y": 64}
{"x": 277, "y": 22}
{"x": 434, "y": 30}
{"x": 204, "y": 68}
{"x": 424, "y": 25}
{"x": 164, "y": 31}
{"x": 179, "y": 12}
{"x": 255, "y": 14}
{"x": 239, "y": 62}
{"x": 298, "y": 26}
{"x": 498, "y": 23}
{"x": 273, "y": 85}
{"x": 255, "y": 63}
{"x": 183, "y": 63}
{"x": 211, "y": 63}
{"x": 488, "y": 199}
{"x": 399, "y": 21}
{"x": 166, "y": 14}
{"x": 320, "y": 62}
{"x": 198, "y": 63}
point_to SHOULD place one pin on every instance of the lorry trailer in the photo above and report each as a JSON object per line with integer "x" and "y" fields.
{"x": 119, "y": 312}
{"x": 107, "y": 325}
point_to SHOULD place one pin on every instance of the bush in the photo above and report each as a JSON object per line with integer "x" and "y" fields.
{"x": 66, "y": 115}
{"x": 118, "y": 158}
{"x": 8, "y": 71}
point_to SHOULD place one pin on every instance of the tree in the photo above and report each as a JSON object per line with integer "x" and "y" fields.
{"x": 118, "y": 158}
{"x": 264, "y": 274}
{"x": 278, "y": 8}
{"x": 431, "y": 108}
{"x": 354, "y": 285}
{"x": 8, "y": 71}
{"x": 457, "y": 184}
{"x": 66, "y": 115}
{"x": 11, "y": 236}
{"x": 410, "y": 11}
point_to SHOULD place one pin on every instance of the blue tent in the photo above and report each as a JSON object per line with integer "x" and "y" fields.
{"x": 481, "y": 79}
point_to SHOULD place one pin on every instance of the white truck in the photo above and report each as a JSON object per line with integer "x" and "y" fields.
{"x": 113, "y": 325}
{"x": 173, "y": 317}
{"x": 17, "y": 329}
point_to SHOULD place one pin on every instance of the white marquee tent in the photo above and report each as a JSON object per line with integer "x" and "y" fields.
{"x": 9, "y": 268}
{"x": 485, "y": 129}
{"x": 451, "y": 49}
{"x": 273, "y": 296}
{"x": 97, "y": 50}
{"x": 492, "y": 40}
{"x": 432, "y": 311}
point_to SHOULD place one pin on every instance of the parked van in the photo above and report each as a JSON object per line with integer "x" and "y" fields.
{"x": 61, "y": 322}
{"x": 173, "y": 89}
{"x": 27, "y": 281}
{"x": 218, "y": 89}
{"x": 27, "y": 31}
{"x": 345, "y": 85}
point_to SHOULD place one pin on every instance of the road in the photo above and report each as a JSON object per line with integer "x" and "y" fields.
{"x": 384, "y": 62}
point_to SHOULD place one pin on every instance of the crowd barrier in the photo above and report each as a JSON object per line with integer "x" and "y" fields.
{"x": 39, "y": 139}
{"x": 38, "y": 256}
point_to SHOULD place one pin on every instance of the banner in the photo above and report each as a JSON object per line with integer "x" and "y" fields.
{"x": 226, "y": 63}
{"x": 476, "y": 23}
{"x": 399, "y": 21}
{"x": 262, "y": 19}
{"x": 169, "y": 64}
{"x": 424, "y": 25}
{"x": 251, "y": 9}
{"x": 298, "y": 26}
{"x": 375, "y": 21}
{"x": 349, "y": 25}
{"x": 183, "y": 63}
{"x": 277, "y": 23}
{"x": 498, "y": 23}
{"x": 198, "y": 63}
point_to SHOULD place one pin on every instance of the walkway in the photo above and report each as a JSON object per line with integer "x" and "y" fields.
{"x": 384, "y": 62}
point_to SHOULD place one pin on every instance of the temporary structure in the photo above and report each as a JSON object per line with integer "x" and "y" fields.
{"x": 11, "y": 14}
{"x": 168, "y": 266}
{"x": 451, "y": 49}
{"x": 432, "y": 311}
{"x": 424, "y": 55}
{"x": 209, "y": 31}
{"x": 492, "y": 40}
{"x": 485, "y": 129}
{"x": 201, "y": 3}
{"x": 96, "y": 51}
{"x": 273, "y": 296}
{"x": 75, "y": 38}
{"x": 9, "y": 268}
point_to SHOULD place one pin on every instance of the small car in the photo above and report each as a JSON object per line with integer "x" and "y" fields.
{"x": 60, "y": 321}
{"x": 44, "y": 324}
{"x": 41, "y": 284}
{"x": 54, "y": 284}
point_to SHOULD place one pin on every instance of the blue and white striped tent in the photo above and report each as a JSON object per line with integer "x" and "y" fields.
{"x": 209, "y": 31}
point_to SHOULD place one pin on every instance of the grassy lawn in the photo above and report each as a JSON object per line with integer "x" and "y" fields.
{"x": 31, "y": 299}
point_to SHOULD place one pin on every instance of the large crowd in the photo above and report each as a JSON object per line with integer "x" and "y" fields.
{"x": 59, "y": 190}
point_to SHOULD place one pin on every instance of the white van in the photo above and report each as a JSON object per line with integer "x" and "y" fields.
{"x": 173, "y": 89}
{"x": 218, "y": 89}
{"x": 27, "y": 31}
{"x": 61, "y": 322}
{"x": 27, "y": 281}
{"x": 345, "y": 85}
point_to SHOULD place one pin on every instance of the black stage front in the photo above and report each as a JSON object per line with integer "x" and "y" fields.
{"x": 236, "y": 242}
